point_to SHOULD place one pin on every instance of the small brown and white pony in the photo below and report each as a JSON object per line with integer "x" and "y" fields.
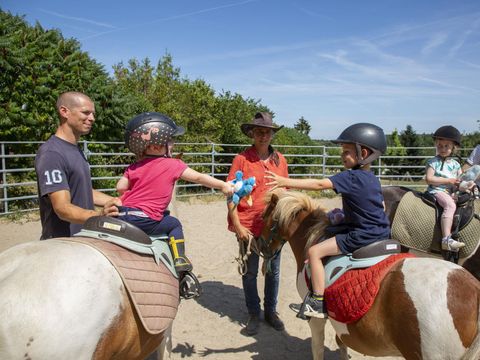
{"x": 394, "y": 194}
{"x": 425, "y": 308}
{"x": 64, "y": 300}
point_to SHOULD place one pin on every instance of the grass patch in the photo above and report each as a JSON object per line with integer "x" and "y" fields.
{"x": 20, "y": 217}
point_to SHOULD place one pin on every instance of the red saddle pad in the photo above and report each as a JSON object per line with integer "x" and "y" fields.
{"x": 352, "y": 295}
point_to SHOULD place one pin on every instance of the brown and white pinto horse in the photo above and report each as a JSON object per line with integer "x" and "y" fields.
{"x": 425, "y": 308}
{"x": 392, "y": 196}
{"x": 61, "y": 299}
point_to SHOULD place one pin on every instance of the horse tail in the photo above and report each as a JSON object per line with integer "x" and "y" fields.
{"x": 473, "y": 351}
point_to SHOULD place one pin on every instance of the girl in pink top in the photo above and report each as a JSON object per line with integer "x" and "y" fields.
{"x": 147, "y": 186}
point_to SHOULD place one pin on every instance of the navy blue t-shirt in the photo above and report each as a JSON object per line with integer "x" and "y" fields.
{"x": 362, "y": 200}
{"x": 61, "y": 165}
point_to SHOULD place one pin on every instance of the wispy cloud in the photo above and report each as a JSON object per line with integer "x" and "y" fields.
{"x": 368, "y": 67}
{"x": 314, "y": 13}
{"x": 88, "y": 21}
{"x": 435, "y": 41}
{"x": 468, "y": 63}
{"x": 78, "y": 28}
{"x": 247, "y": 53}
{"x": 173, "y": 17}
{"x": 408, "y": 32}
{"x": 463, "y": 38}
{"x": 449, "y": 85}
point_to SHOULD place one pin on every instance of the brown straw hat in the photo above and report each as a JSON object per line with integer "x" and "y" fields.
{"x": 261, "y": 119}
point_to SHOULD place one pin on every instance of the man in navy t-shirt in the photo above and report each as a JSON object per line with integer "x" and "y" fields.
{"x": 65, "y": 191}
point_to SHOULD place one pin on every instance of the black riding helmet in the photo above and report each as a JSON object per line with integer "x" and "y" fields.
{"x": 150, "y": 128}
{"x": 366, "y": 135}
{"x": 448, "y": 132}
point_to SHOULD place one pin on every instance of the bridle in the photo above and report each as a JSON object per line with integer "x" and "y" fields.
{"x": 263, "y": 246}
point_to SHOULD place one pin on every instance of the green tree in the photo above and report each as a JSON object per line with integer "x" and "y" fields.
{"x": 394, "y": 149}
{"x": 302, "y": 126}
{"x": 135, "y": 81}
{"x": 412, "y": 165}
{"x": 233, "y": 110}
{"x": 38, "y": 65}
{"x": 311, "y": 158}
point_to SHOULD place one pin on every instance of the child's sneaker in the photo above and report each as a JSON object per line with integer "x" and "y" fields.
{"x": 314, "y": 307}
{"x": 451, "y": 244}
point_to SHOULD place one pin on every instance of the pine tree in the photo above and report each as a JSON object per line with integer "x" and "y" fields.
{"x": 409, "y": 139}
{"x": 302, "y": 126}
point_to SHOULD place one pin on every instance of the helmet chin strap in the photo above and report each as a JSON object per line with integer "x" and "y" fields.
{"x": 361, "y": 160}
{"x": 369, "y": 159}
{"x": 451, "y": 156}
{"x": 169, "y": 146}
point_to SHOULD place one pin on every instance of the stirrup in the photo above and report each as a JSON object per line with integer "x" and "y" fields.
{"x": 189, "y": 286}
{"x": 300, "y": 310}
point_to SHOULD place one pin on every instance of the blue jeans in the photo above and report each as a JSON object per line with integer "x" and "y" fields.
{"x": 272, "y": 280}
{"x": 169, "y": 225}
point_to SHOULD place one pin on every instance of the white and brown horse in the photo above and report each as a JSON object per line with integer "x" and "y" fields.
{"x": 61, "y": 299}
{"x": 425, "y": 308}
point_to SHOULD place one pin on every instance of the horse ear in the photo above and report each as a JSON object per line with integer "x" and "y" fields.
{"x": 179, "y": 156}
{"x": 274, "y": 199}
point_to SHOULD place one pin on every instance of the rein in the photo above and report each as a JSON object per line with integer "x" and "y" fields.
{"x": 244, "y": 252}
{"x": 261, "y": 247}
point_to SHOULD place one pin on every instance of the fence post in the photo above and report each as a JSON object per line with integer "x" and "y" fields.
{"x": 324, "y": 161}
{"x": 85, "y": 149}
{"x": 213, "y": 164}
{"x": 379, "y": 168}
{"x": 4, "y": 179}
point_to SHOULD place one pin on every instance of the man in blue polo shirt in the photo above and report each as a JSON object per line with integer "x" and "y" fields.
{"x": 65, "y": 189}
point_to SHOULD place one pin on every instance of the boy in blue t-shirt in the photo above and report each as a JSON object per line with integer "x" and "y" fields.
{"x": 362, "y": 199}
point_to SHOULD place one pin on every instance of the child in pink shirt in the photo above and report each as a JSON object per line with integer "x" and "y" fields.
{"x": 147, "y": 186}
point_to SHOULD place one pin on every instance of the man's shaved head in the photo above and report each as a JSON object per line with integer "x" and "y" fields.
{"x": 71, "y": 99}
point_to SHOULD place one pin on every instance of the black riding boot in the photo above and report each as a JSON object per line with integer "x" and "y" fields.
{"x": 180, "y": 260}
{"x": 188, "y": 282}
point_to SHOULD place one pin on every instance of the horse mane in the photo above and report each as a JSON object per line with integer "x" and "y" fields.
{"x": 290, "y": 203}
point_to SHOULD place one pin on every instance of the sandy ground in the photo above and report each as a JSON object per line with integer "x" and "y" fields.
{"x": 212, "y": 326}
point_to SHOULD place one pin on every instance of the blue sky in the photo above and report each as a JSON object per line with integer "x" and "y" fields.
{"x": 388, "y": 62}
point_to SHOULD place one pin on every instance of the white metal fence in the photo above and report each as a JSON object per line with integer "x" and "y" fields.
{"x": 18, "y": 188}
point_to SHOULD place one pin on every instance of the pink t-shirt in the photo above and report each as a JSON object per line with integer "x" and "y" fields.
{"x": 151, "y": 184}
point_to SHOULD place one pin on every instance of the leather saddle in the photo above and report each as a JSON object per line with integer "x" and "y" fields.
{"x": 336, "y": 266}
{"x": 128, "y": 236}
{"x": 131, "y": 237}
{"x": 463, "y": 214}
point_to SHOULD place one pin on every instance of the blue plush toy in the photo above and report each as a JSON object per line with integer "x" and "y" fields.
{"x": 243, "y": 187}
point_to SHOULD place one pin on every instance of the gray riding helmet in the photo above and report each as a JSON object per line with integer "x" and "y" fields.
{"x": 150, "y": 128}
{"x": 367, "y": 135}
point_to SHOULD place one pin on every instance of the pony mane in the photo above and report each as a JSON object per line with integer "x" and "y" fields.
{"x": 290, "y": 203}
